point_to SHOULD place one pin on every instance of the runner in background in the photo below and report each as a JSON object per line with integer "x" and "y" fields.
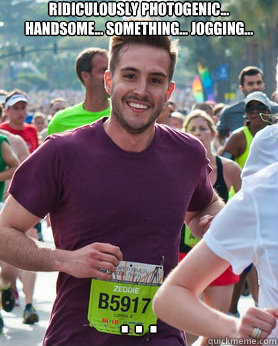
{"x": 90, "y": 66}
{"x": 8, "y": 164}
{"x": 16, "y": 110}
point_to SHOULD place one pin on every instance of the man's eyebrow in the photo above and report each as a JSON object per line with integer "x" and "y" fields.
{"x": 133, "y": 69}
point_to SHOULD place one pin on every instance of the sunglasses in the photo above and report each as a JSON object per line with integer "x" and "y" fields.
{"x": 259, "y": 108}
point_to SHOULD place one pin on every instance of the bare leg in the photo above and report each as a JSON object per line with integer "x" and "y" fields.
{"x": 8, "y": 274}
{"x": 28, "y": 278}
{"x": 219, "y": 298}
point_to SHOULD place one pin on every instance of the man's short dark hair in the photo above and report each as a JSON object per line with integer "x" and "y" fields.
{"x": 249, "y": 71}
{"x": 164, "y": 42}
{"x": 14, "y": 92}
{"x": 84, "y": 59}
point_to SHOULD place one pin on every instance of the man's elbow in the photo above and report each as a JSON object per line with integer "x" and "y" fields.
{"x": 159, "y": 307}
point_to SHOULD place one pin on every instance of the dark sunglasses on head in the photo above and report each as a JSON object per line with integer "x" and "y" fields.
{"x": 259, "y": 108}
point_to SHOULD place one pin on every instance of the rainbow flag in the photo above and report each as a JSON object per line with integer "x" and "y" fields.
{"x": 206, "y": 81}
{"x": 197, "y": 89}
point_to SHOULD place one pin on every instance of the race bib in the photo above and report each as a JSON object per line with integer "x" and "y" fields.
{"x": 126, "y": 300}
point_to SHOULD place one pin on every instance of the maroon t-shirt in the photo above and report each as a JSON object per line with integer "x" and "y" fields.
{"x": 96, "y": 192}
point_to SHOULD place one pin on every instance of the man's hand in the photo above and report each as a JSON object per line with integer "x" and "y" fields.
{"x": 264, "y": 320}
{"x": 199, "y": 221}
{"x": 98, "y": 260}
{"x": 205, "y": 222}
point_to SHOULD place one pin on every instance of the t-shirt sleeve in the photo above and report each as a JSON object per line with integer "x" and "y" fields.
{"x": 233, "y": 232}
{"x": 4, "y": 138}
{"x": 203, "y": 192}
{"x": 56, "y": 123}
{"x": 37, "y": 183}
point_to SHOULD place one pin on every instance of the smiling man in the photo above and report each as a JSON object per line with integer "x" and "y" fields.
{"x": 117, "y": 189}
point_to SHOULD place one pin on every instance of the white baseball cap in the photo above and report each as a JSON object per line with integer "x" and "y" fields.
{"x": 14, "y": 99}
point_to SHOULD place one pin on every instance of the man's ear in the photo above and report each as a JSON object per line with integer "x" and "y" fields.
{"x": 171, "y": 88}
{"x": 84, "y": 76}
{"x": 108, "y": 81}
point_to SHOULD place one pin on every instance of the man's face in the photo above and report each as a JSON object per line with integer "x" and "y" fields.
{"x": 39, "y": 123}
{"x": 139, "y": 86}
{"x": 253, "y": 110}
{"x": 252, "y": 83}
{"x": 99, "y": 65}
{"x": 17, "y": 113}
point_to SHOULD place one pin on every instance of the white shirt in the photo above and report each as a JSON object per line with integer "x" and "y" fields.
{"x": 246, "y": 231}
{"x": 263, "y": 150}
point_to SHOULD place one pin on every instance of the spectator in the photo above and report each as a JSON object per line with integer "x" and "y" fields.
{"x": 176, "y": 121}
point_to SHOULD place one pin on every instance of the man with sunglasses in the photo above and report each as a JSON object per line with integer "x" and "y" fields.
{"x": 257, "y": 108}
{"x": 250, "y": 79}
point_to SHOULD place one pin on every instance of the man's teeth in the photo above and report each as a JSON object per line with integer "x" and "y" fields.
{"x": 137, "y": 105}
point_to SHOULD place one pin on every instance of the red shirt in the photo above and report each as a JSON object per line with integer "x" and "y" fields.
{"x": 28, "y": 133}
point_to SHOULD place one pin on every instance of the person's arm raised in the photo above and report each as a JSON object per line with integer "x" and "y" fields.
{"x": 23, "y": 252}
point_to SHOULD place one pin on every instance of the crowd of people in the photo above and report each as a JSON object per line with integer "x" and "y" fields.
{"x": 127, "y": 175}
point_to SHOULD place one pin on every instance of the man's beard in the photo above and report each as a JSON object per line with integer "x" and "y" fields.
{"x": 129, "y": 127}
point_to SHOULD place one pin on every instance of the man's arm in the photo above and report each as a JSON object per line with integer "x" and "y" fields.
{"x": 10, "y": 159}
{"x": 18, "y": 249}
{"x": 21, "y": 148}
{"x": 235, "y": 145}
{"x": 199, "y": 221}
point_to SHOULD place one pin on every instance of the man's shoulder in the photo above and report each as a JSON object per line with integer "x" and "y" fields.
{"x": 179, "y": 137}
{"x": 238, "y": 133}
{"x": 234, "y": 108}
{"x": 267, "y": 174}
{"x": 30, "y": 127}
{"x": 74, "y": 135}
{"x": 5, "y": 125}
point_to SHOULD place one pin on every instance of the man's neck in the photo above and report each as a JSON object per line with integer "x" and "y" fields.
{"x": 129, "y": 142}
{"x": 95, "y": 102}
{"x": 255, "y": 128}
